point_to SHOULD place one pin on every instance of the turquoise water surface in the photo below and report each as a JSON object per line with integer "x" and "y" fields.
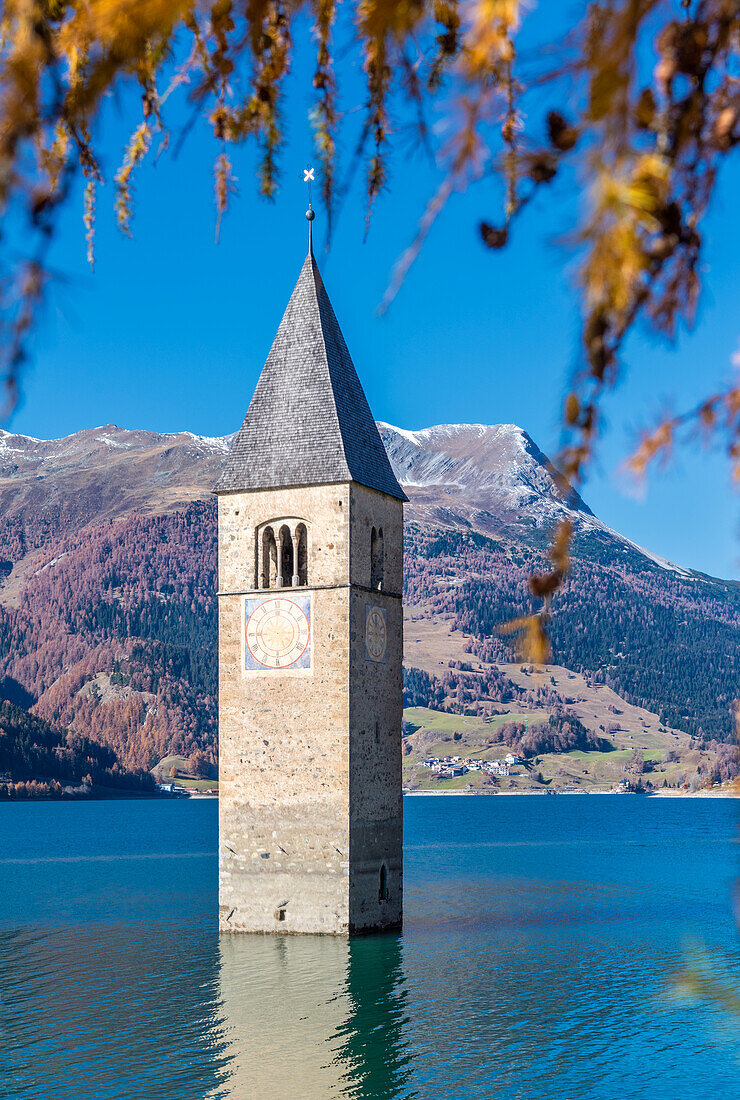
{"x": 536, "y": 961}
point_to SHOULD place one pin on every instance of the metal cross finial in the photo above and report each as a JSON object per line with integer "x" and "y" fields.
{"x": 308, "y": 177}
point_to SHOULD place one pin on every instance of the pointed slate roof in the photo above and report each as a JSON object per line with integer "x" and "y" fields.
{"x": 309, "y": 422}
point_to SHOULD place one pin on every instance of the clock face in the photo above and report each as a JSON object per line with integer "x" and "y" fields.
{"x": 277, "y": 633}
{"x": 376, "y": 633}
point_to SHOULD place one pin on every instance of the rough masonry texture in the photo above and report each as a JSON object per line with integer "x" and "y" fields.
{"x": 310, "y": 535}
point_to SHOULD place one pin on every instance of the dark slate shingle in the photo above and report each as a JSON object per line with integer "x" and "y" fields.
{"x": 309, "y": 422}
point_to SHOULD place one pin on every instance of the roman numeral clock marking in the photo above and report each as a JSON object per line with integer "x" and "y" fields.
{"x": 277, "y": 634}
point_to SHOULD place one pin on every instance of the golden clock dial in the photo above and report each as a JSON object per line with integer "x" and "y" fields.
{"x": 278, "y": 633}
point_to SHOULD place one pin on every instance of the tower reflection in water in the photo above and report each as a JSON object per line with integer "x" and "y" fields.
{"x": 314, "y": 1016}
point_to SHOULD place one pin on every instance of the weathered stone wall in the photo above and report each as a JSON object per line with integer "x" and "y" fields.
{"x": 301, "y": 799}
{"x": 376, "y": 712}
{"x": 372, "y": 509}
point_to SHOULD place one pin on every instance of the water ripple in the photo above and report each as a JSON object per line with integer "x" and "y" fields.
{"x": 535, "y": 963}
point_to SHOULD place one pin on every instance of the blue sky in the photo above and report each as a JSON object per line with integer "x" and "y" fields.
{"x": 172, "y": 330}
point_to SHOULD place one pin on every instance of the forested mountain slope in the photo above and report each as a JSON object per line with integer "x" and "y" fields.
{"x": 38, "y": 760}
{"x": 115, "y": 634}
{"x": 107, "y": 582}
{"x": 664, "y": 641}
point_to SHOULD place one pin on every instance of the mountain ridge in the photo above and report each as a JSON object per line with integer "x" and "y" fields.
{"x": 527, "y": 488}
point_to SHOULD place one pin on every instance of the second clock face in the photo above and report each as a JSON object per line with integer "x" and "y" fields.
{"x": 376, "y": 633}
{"x": 277, "y": 633}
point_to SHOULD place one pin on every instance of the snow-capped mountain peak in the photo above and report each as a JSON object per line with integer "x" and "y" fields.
{"x": 491, "y": 468}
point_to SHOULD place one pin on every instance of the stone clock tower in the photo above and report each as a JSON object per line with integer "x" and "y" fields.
{"x": 310, "y": 529}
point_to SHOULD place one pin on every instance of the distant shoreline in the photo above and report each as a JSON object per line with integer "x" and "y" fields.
{"x": 546, "y": 794}
{"x": 697, "y": 794}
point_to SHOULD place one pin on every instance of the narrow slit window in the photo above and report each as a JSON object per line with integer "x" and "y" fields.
{"x": 302, "y": 564}
{"x": 269, "y": 559}
{"x": 376, "y": 559}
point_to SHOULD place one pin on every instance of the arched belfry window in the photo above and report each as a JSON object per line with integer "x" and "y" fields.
{"x": 282, "y": 554}
{"x": 376, "y": 559}
{"x": 285, "y": 568}
{"x": 302, "y": 561}
{"x": 267, "y": 572}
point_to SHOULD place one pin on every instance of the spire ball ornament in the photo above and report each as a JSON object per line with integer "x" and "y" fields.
{"x": 308, "y": 177}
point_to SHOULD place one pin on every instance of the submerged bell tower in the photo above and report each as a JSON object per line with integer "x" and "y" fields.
{"x": 310, "y": 573}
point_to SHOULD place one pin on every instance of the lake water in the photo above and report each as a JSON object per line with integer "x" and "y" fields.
{"x": 537, "y": 957}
